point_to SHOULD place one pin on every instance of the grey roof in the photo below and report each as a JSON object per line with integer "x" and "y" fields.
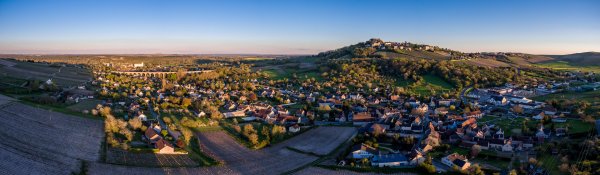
{"x": 390, "y": 158}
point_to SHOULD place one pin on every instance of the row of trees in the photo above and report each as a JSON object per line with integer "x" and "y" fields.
{"x": 268, "y": 133}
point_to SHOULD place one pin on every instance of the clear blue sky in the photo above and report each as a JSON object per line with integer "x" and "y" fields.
{"x": 295, "y": 26}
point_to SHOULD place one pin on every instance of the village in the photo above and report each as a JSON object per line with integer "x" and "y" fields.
{"x": 394, "y": 130}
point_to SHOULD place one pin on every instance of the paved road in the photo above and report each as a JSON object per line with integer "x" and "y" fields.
{"x": 462, "y": 93}
{"x": 157, "y": 116}
{"x": 440, "y": 166}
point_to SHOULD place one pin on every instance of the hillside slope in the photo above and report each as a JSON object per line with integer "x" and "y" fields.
{"x": 377, "y": 48}
{"x": 582, "y": 59}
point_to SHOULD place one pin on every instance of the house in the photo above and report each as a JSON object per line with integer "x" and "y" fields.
{"x": 294, "y": 128}
{"x": 234, "y": 114}
{"x": 151, "y": 135}
{"x": 389, "y": 160}
{"x": 441, "y": 111}
{"x": 498, "y": 100}
{"x": 378, "y": 128}
{"x": 516, "y": 99}
{"x": 456, "y": 159}
{"x": 416, "y": 157}
{"x": 143, "y": 117}
{"x": 138, "y": 65}
{"x": 539, "y": 116}
{"x": 445, "y": 102}
{"x": 542, "y": 134}
{"x": 355, "y": 97}
{"x": 507, "y": 147}
{"x": 474, "y": 114}
{"x": 559, "y": 120}
{"x": 549, "y": 110}
{"x": 422, "y": 108}
{"x": 362, "y": 118}
{"x": 496, "y": 144}
{"x": 363, "y": 151}
{"x": 164, "y": 147}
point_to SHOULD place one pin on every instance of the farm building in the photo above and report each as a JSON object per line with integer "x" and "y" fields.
{"x": 363, "y": 151}
{"x": 151, "y": 135}
{"x": 456, "y": 159}
{"x": 389, "y": 160}
{"x": 164, "y": 147}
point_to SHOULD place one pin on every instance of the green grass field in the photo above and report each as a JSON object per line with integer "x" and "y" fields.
{"x": 589, "y": 96}
{"x": 88, "y": 104}
{"x": 280, "y": 74}
{"x": 593, "y": 97}
{"x": 432, "y": 83}
{"x": 566, "y": 66}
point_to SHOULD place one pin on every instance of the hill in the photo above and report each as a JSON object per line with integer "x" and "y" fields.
{"x": 580, "y": 59}
{"x": 377, "y": 48}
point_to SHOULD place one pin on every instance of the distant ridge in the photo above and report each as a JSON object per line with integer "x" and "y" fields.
{"x": 584, "y": 58}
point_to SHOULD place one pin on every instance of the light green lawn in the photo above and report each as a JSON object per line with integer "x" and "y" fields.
{"x": 563, "y": 65}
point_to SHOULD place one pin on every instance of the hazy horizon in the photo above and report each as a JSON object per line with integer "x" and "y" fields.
{"x": 294, "y": 27}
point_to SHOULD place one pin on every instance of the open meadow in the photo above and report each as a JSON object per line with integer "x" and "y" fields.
{"x": 566, "y": 66}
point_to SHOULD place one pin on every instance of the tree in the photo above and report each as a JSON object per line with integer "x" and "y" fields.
{"x": 105, "y": 111}
{"x": 216, "y": 115}
{"x": 248, "y": 130}
{"x": 324, "y": 108}
{"x": 253, "y": 138}
{"x": 252, "y": 97}
{"x": 517, "y": 109}
{"x": 377, "y": 130}
{"x": 364, "y": 161}
{"x": 167, "y": 120}
{"x": 110, "y": 124}
{"x": 181, "y": 73}
{"x": 475, "y": 150}
{"x": 187, "y": 134}
{"x": 135, "y": 123}
{"x": 186, "y": 102}
{"x": 277, "y": 131}
{"x": 476, "y": 170}
{"x": 265, "y": 132}
{"x": 428, "y": 168}
{"x": 237, "y": 128}
{"x": 164, "y": 133}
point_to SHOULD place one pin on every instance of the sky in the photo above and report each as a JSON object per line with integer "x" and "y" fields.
{"x": 294, "y": 26}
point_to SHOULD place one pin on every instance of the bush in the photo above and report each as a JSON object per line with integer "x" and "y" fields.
{"x": 427, "y": 168}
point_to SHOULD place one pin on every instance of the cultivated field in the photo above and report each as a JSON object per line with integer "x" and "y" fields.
{"x": 485, "y": 62}
{"x": 317, "y": 170}
{"x": 120, "y": 157}
{"x": 238, "y": 159}
{"x": 5, "y": 99}
{"x": 36, "y": 141}
{"x": 63, "y": 76}
{"x": 320, "y": 141}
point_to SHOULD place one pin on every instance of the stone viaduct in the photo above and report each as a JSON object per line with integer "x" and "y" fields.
{"x": 158, "y": 74}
